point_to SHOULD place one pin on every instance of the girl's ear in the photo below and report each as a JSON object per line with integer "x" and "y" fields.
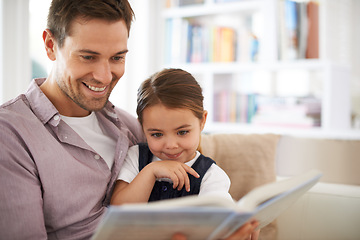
{"x": 203, "y": 120}
{"x": 49, "y": 43}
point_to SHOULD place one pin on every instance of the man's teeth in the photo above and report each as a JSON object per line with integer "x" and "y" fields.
{"x": 96, "y": 89}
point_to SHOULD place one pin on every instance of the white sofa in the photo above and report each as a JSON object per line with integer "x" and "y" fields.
{"x": 330, "y": 210}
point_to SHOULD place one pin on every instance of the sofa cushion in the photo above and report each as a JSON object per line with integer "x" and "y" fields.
{"x": 249, "y": 161}
{"x": 337, "y": 159}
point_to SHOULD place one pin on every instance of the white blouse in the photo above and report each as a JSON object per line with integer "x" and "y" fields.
{"x": 215, "y": 180}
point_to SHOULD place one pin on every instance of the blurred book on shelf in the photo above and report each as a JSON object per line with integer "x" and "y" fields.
{"x": 234, "y": 107}
{"x": 304, "y": 112}
{"x": 299, "y": 29}
{"x": 180, "y": 3}
{"x": 187, "y": 41}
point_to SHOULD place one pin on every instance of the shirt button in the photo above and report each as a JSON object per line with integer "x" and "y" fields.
{"x": 97, "y": 157}
{"x": 56, "y": 117}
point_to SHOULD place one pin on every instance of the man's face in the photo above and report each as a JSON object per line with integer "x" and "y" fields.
{"x": 88, "y": 66}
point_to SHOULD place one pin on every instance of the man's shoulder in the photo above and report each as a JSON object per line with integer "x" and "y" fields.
{"x": 128, "y": 123}
{"x": 125, "y": 118}
{"x": 9, "y": 104}
{"x": 124, "y": 114}
{"x": 13, "y": 108}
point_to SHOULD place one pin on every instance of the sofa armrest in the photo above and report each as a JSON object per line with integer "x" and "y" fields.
{"x": 327, "y": 211}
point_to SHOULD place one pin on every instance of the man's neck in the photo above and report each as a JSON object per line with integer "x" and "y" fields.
{"x": 62, "y": 103}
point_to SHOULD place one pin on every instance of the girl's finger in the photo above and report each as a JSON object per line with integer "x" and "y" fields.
{"x": 180, "y": 176}
{"x": 175, "y": 179}
{"x": 191, "y": 171}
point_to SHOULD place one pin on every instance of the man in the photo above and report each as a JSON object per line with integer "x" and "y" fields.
{"x": 62, "y": 142}
{"x": 57, "y": 176}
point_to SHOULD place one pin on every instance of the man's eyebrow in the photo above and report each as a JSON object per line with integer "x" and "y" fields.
{"x": 122, "y": 52}
{"x": 88, "y": 51}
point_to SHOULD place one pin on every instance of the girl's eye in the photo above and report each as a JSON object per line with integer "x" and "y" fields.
{"x": 156, "y": 135}
{"x": 183, "y": 132}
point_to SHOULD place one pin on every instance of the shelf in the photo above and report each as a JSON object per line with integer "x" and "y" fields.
{"x": 237, "y": 67}
{"x": 298, "y": 132}
{"x": 230, "y": 83}
{"x": 212, "y": 9}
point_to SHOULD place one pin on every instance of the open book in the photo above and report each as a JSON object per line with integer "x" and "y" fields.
{"x": 203, "y": 217}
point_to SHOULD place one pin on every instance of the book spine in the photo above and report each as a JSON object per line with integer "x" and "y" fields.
{"x": 312, "y": 50}
{"x": 298, "y": 30}
{"x": 231, "y": 106}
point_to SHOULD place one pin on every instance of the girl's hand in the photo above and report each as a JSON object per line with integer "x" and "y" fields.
{"x": 176, "y": 171}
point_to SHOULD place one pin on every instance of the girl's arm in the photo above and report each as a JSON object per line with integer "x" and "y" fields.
{"x": 140, "y": 188}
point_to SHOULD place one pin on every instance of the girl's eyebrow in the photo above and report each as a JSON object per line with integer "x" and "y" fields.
{"x": 159, "y": 130}
{"x": 183, "y": 126}
{"x": 153, "y": 130}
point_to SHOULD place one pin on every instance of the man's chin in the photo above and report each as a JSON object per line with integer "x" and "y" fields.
{"x": 94, "y": 107}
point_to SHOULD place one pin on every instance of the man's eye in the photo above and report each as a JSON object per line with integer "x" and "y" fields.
{"x": 183, "y": 132}
{"x": 87, "y": 57}
{"x": 156, "y": 135}
{"x": 118, "y": 58}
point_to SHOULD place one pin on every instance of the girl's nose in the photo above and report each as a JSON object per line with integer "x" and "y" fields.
{"x": 171, "y": 143}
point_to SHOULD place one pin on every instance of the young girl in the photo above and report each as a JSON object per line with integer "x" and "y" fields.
{"x": 170, "y": 110}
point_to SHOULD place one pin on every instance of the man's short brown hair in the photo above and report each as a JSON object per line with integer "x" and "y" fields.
{"x": 63, "y": 12}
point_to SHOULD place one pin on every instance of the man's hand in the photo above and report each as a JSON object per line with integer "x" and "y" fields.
{"x": 246, "y": 232}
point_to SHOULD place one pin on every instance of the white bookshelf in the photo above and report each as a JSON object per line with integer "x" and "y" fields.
{"x": 330, "y": 73}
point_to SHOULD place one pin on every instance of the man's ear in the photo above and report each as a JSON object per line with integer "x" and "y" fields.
{"x": 50, "y": 44}
{"x": 203, "y": 120}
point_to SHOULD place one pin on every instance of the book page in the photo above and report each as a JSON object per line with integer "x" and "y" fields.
{"x": 120, "y": 223}
{"x": 261, "y": 194}
{"x": 208, "y": 200}
{"x": 194, "y": 217}
{"x": 282, "y": 195}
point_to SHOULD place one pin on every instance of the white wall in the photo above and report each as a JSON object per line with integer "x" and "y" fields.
{"x": 15, "y": 63}
{"x": 141, "y": 58}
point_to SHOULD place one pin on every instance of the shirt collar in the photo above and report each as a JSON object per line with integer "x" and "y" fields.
{"x": 39, "y": 103}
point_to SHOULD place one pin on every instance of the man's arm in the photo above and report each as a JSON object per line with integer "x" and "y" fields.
{"x": 20, "y": 191}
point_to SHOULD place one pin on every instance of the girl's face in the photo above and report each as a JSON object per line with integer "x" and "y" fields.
{"x": 172, "y": 133}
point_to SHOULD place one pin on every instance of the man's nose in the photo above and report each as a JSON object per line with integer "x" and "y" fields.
{"x": 103, "y": 73}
